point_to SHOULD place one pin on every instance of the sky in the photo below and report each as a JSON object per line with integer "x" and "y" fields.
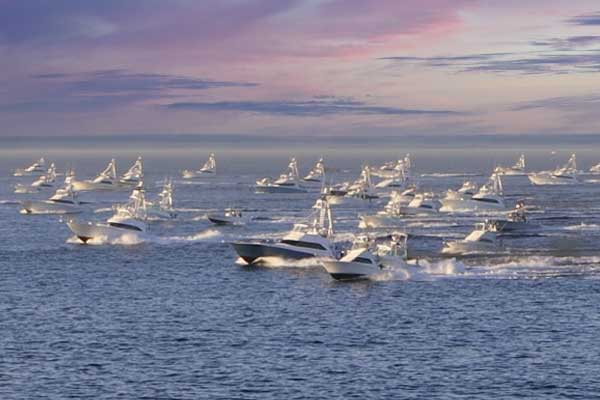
{"x": 299, "y": 67}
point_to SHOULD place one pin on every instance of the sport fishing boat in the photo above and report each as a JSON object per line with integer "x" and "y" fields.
{"x": 106, "y": 181}
{"x": 231, "y": 216}
{"x": 595, "y": 169}
{"x": 422, "y": 203}
{"x": 488, "y": 198}
{"x": 162, "y": 208}
{"x": 363, "y": 188}
{"x": 516, "y": 170}
{"x": 48, "y": 180}
{"x": 396, "y": 165}
{"x": 366, "y": 259}
{"x": 516, "y": 221}
{"x": 397, "y": 177}
{"x": 36, "y": 169}
{"x": 317, "y": 173}
{"x": 565, "y": 175}
{"x": 288, "y": 182}
{"x": 310, "y": 240}
{"x": 128, "y": 219}
{"x": 64, "y": 201}
{"x": 208, "y": 169}
{"x": 134, "y": 175}
{"x": 392, "y": 213}
{"x": 482, "y": 240}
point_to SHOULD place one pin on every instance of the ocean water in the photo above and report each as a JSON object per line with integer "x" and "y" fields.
{"x": 174, "y": 315}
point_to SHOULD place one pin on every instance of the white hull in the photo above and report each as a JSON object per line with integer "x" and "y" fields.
{"x": 418, "y": 211}
{"x": 90, "y": 231}
{"x": 21, "y": 173}
{"x": 87, "y": 186}
{"x": 351, "y": 270}
{"x": 390, "y": 183}
{"x": 279, "y": 189}
{"x": 464, "y": 247}
{"x": 196, "y": 174}
{"x": 49, "y": 207}
{"x": 449, "y": 205}
{"x": 546, "y": 179}
{"x": 22, "y": 189}
{"x": 344, "y": 270}
{"x": 380, "y": 221}
{"x": 512, "y": 173}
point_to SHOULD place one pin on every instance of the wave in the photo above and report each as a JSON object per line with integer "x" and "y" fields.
{"x": 535, "y": 267}
{"x": 103, "y": 210}
{"x": 583, "y": 227}
{"x": 131, "y": 239}
{"x": 276, "y": 262}
{"x": 423, "y": 270}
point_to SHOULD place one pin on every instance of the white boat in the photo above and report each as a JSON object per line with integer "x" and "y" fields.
{"x": 288, "y": 182}
{"x": 482, "y": 240}
{"x": 304, "y": 241}
{"x": 402, "y": 163}
{"x": 134, "y": 175}
{"x": 422, "y": 203}
{"x": 317, "y": 173}
{"x": 565, "y": 175}
{"x": 231, "y": 216}
{"x": 363, "y": 188}
{"x": 48, "y": 180}
{"x": 595, "y": 169}
{"x": 397, "y": 177}
{"x": 107, "y": 180}
{"x": 488, "y": 198}
{"x": 208, "y": 169}
{"x": 36, "y": 169}
{"x": 516, "y": 221}
{"x": 64, "y": 201}
{"x": 162, "y": 208}
{"x": 128, "y": 220}
{"x": 516, "y": 170}
{"x": 366, "y": 259}
{"x": 392, "y": 214}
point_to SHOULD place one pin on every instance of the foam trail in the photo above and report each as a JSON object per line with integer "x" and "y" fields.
{"x": 583, "y": 227}
{"x": 203, "y": 236}
{"x": 276, "y": 262}
{"x": 422, "y": 271}
{"x": 129, "y": 239}
{"x": 103, "y": 210}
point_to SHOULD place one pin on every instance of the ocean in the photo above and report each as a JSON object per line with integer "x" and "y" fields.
{"x": 174, "y": 314}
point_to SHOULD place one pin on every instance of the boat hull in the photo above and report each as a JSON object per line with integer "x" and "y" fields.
{"x": 379, "y": 221}
{"x": 21, "y": 173}
{"x": 49, "y": 207}
{"x": 279, "y": 189}
{"x": 86, "y": 186}
{"x": 469, "y": 205}
{"x": 197, "y": 174}
{"x": 253, "y": 252}
{"x": 544, "y": 179}
{"x": 464, "y": 247}
{"x": 223, "y": 220}
{"x": 90, "y": 231}
{"x": 344, "y": 270}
